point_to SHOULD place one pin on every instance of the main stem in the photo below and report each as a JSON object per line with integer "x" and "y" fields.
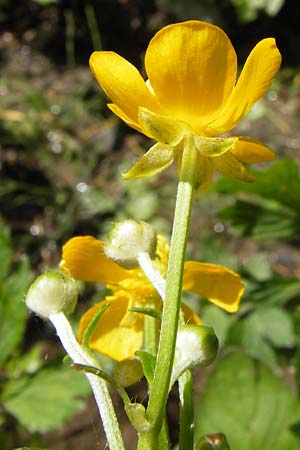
{"x": 165, "y": 356}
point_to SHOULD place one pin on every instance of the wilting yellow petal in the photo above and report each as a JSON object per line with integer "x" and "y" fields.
{"x": 192, "y": 69}
{"x": 157, "y": 158}
{"x": 218, "y": 284}
{"x": 230, "y": 166}
{"x": 119, "y": 333}
{"x": 163, "y": 129}
{"x": 250, "y": 151}
{"x": 83, "y": 258}
{"x": 255, "y": 78}
{"x": 122, "y": 83}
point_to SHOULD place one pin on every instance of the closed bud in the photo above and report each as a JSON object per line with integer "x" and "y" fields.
{"x": 196, "y": 346}
{"x": 50, "y": 293}
{"x": 213, "y": 442}
{"x": 128, "y": 371}
{"x": 129, "y": 238}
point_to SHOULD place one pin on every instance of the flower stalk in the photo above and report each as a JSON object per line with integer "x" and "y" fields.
{"x": 170, "y": 318}
{"x": 99, "y": 386}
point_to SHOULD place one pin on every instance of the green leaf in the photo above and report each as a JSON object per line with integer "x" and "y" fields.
{"x": 276, "y": 325}
{"x": 258, "y": 266}
{"x": 275, "y": 291}
{"x": 246, "y": 335}
{"x": 266, "y": 328}
{"x": 13, "y": 311}
{"x": 255, "y": 409}
{"x": 148, "y": 363}
{"x": 151, "y": 312}
{"x": 92, "y": 326}
{"x": 262, "y": 219}
{"x": 44, "y": 401}
{"x": 281, "y": 182}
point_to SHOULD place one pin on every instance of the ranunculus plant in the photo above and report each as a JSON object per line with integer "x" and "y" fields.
{"x": 190, "y": 99}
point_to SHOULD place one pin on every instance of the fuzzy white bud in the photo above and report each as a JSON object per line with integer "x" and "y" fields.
{"x": 127, "y": 240}
{"x": 196, "y": 346}
{"x": 50, "y": 293}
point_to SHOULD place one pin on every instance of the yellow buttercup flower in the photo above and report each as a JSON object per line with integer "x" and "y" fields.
{"x": 191, "y": 89}
{"x": 119, "y": 333}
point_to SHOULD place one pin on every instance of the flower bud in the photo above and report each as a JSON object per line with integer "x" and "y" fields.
{"x": 128, "y": 371}
{"x": 50, "y": 293}
{"x": 213, "y": 441}
{"x": 196, "y": 346}
{"x": 129, "y": 238}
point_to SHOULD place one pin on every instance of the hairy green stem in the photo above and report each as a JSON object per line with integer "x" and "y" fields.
{"x": 186, "y": 396}
{"x": 158, "y": 397}
{"x": 99, "y": 387}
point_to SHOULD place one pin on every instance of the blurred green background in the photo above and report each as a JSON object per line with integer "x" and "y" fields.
{"x": 61, "y": 156}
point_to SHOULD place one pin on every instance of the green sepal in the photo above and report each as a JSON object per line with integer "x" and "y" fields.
{"x": 203, "y": 175}
{"x": 148, "y": 363}
{"x": 158, "y": 158}
{"x": 213, "y": 441}
{"x": 163, "y": 129}
{"x": 230, "y": 166}
{"x": 152, "y": 312}
{"x": 137, "y": 415}
{"x": 92, "y": 326}
{"x": 212, "y": 147}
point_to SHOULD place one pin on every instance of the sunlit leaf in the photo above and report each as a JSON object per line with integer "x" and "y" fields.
{"x": 249, "y": 404}
{"x": 44, "y": 401}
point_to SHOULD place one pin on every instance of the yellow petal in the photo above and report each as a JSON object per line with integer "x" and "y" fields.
{"x": 189, "y": 315}
{"x": 157, "y": 159}
{"x": 218, "y": 284}
{"x": 255, "y": 78}
{"x": 250, "y": 151}
{"x": 230, "y": 166}
{"x": 122, "y": 83}
{"x": 83, "y": 258}
{"x": 163, "y": 129}
{"x": 118, "y": 112}
{"x": 192, "y": 69}
{"x": 119, "y": 333}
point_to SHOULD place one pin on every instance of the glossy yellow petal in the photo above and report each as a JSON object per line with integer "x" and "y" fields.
{"x": 119, "y": 333}
{"x": 192, "y": 69}
{"x": 163, "y": 129}
{"x": 122, "y": 83}
{"x": 230, "y": 166}
{"x": 250, "y": 151}
{"x": 118, "y": 112}
{"x": 255, "y": 78}
{"x": 218, "y": 284}
{"x": 83, "y": 258}
{"x": 157, "y": 159}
